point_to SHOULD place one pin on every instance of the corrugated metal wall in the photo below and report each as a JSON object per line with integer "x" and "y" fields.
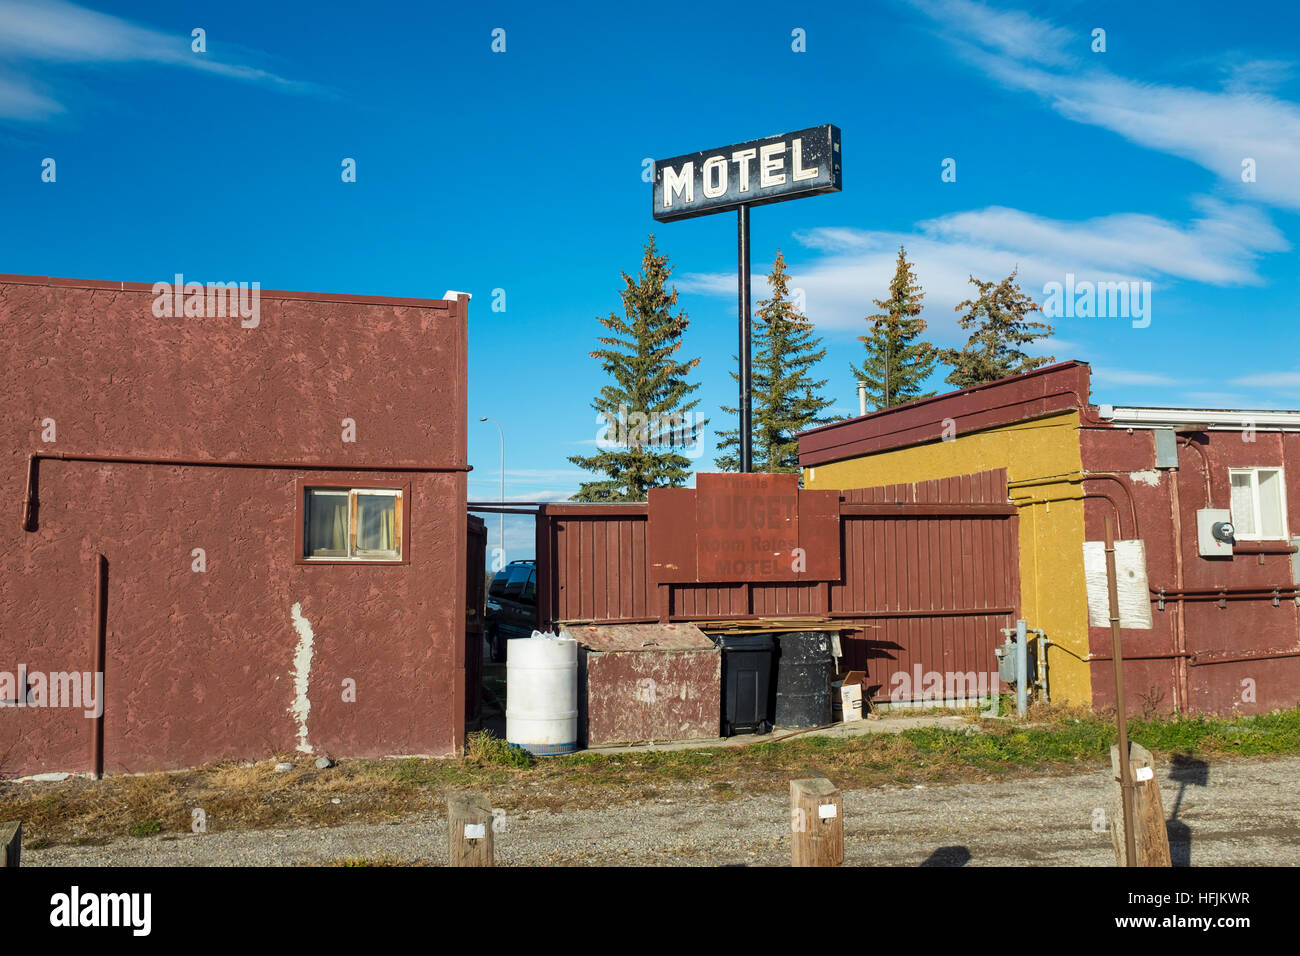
{"x": 931, "y": 591}
{"x": 929, "y": 576}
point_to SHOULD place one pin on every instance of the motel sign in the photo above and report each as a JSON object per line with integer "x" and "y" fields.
{"x": 761, "y": 171}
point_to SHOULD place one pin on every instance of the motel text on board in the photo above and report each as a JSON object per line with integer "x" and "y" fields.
{"x": 772, "y": 169}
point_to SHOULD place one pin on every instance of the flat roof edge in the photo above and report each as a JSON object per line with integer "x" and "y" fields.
{"x": 947, "y": 396}
{"x": 1156, "y": 416}
{"x": 148, "y": 287}
{"x": 1037, "y": 394}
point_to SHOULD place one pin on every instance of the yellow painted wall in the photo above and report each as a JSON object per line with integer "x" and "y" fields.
{"x": 1052, "y": 592}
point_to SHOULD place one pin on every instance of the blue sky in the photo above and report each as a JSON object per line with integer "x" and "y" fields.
{"x": 522, "y": 171}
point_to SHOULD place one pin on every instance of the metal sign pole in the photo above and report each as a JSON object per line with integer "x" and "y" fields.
{"x": 772, "y": 169}
{"x": 1121, "y": 715}
{"x": 746, "y": 427}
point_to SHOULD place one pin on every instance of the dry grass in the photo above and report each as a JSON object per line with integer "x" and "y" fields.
{"x": 1049, "y": 740}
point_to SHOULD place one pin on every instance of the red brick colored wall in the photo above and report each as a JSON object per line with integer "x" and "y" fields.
{"x": 200, "y": 666}
{"x": 1243, "y": 627}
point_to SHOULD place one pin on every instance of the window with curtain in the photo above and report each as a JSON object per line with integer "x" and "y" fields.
{"x": 1258, "y": 504}
{"x": 357, "y": 524}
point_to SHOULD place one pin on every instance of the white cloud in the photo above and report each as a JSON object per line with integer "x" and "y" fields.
{"x": 19, "y": 100}
{"x": 1255, "y": 76}
{"x": 59, "y": 33}
{"x": 1010, "y": 32}
{"x": 1215, "y": 129}
{"x": 708, "y": 283}
{"x": 1220, "y": 247}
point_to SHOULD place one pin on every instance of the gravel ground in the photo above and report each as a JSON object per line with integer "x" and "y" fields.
{"x": 1247, "y": 813}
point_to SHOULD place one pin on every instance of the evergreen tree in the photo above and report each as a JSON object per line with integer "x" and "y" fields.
{"x": 998, "y": 317}
{"x": 896, "y": 365}
{"x": 785, "y": 398}
{"x": 644, "y": 409}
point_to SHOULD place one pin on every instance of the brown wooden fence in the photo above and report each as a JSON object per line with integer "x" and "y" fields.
{"x": 929, "y": 575}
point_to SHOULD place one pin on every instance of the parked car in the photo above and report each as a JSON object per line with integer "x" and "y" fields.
{"x": 511, "y": 606}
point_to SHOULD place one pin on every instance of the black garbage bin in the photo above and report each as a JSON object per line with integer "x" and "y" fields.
{"x": 804, "y": 671}
{"x": 747, "y": 705}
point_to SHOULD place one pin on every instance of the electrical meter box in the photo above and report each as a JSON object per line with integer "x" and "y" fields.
{"x": 1209, "y": 546}
{"x": 1006, "y": 655}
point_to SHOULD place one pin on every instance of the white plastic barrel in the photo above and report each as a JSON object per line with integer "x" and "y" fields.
{"x": 542, "y": 693}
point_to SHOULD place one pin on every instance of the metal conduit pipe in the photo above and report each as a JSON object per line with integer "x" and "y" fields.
{"x": 99, "y": 637}
{"x": 1040, "y": 649}
{"x": 1182, "y": 686}
{"x": 1205, "y": 468}
{"x": 1198, "y": 660}
{"x": 1022, "y": 670}
{"x": 1083, "y": 494}
{"x": 1252, "y": 591}
{"x": 1123, "y": 483}
{"x": 1077, "y": 477}
{"x": 1068, "y": 476}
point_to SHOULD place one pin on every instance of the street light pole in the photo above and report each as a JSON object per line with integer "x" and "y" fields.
{"x": 501, "y": 533}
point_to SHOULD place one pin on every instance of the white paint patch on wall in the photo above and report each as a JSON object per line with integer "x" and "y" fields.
{"x": 301, "y": 706}
{"x": 1151, "y": 477}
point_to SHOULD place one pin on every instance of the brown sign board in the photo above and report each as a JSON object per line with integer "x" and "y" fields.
{"x": 670, "y": 535}
{"x": 743, "y": 527}
{"x": 746, "y": 527}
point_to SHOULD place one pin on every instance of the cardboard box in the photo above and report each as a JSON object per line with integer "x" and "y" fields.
{"x": 846, "y": 696}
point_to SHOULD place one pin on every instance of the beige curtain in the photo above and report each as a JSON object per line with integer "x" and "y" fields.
{"x": 328, "y": 523}
{"x": 377, "y": 523}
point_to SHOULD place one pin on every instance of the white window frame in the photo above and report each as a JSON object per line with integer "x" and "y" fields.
{"x": 1254, "y": 471}
{"x": 355, "y": 554}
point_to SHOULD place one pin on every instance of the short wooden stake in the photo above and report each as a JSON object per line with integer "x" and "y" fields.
{"x": 11, "y": 843}
{"x": 1149, "y": 833}
{"x": 816, "y": 823}
{"x": 469, "y": 830}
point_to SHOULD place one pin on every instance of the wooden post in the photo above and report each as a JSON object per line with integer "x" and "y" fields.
{"x": 1150, "y": 835}
{"x": 11, "y": 843}
{"x": 469, "y": 830}
{"x": 1121, "y": 713}
{"x": 816, "y": 823}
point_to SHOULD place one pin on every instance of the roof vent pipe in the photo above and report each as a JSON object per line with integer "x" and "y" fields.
{"x": 862, "y": 398}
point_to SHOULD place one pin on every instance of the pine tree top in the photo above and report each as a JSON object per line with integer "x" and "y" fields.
{"x": 649, "y": 388}
{"x": 997, "y": 318}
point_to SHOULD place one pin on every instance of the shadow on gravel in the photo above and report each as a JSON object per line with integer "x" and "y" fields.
{"x": 1186, "y": 770}
{"x": 948, "y": 856}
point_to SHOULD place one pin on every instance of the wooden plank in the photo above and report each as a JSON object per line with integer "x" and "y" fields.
{"x": 1131, "y": 583}
{"x": 746, "y": 527}
{"x": 816, "y": 823}
{"x": 11, "y": 843}
{"x": 469, "y": 830}
{"x": 819, "y": 535}
{"x": 670, "y": 544}
{"x": 1150, "y": 836}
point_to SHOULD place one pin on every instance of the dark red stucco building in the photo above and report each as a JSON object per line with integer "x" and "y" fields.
{"x": 252, "y": 511}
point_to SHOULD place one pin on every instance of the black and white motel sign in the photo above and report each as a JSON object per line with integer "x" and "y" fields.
{"x": 767, "y": 170}
{"x": 772, "y": 169}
